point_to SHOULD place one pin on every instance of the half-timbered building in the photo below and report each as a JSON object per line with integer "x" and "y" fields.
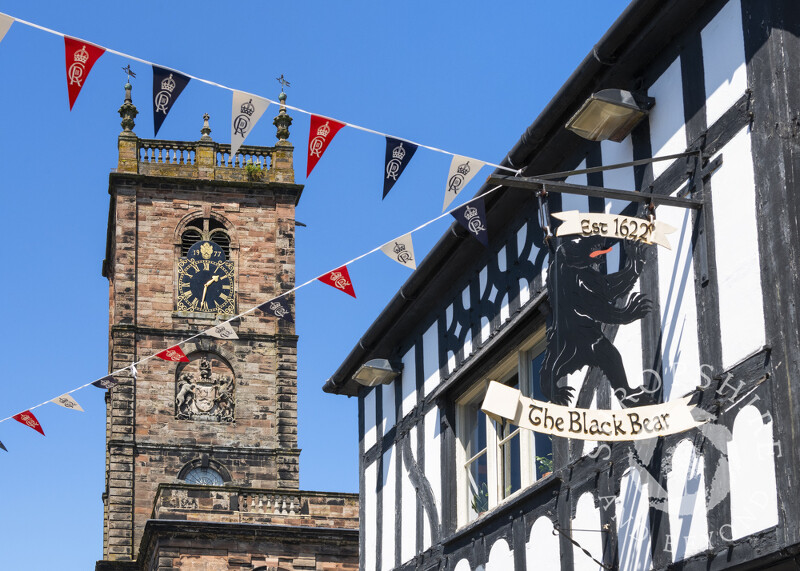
{"x": 445, "y": 486}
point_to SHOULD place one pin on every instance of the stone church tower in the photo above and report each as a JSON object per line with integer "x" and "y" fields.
{"x": 202, "y": 463}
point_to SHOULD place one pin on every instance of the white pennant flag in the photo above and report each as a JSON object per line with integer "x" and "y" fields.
{"x": 67, "y": 402}
{"x": 247, "y": 110}
{"x": 401, "y": 251}
{"x": 5, "y": 24}
{"x": 462, "y": 169}
{"x": 222, "y": 331}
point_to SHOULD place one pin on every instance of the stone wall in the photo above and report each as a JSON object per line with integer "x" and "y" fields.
{"x": 147, "y": 444}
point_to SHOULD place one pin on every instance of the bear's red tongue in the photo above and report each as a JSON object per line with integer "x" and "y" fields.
{"x": 600, "y": 252}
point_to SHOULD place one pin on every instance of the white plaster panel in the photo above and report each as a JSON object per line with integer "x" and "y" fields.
{"x": 615, "y": 153}
{"x": 741, "y": 305}
{"x": 369, "y": 527}
{"x": 587, "y": 517}
{"x": 723, "y": 60}
{"x": 687, "y": 503}
{"x": 430, "y": 357}
{"x": 408, "y": 507}
{"x": 448, "y": 316}
{"x": 501, "y": 259}
{"x": 465, "y": 297}
{"x": 667, "y": 129}
{"x": 629, "y": 344}
{"x": 462, "y": 565}
{"x": 482, "y": 280}
{"x": 751, "y": 456}
{"x": 486, "y": 329}
{"x": 522, "y": 235}
{"x": 409, "y": 381}
{"x": 633, "y": 527}
{"x": 524, "y": 292}
{"x": 467, "y": 343}
{"x": 388, "y": 406}
{"x": 505, "y": 312}
{"x": 575, "y": 380}
{"x": 501, "y": 558}
{"x": 370, "y": 412}
{"x": 389, "y": 495}
{"x": 433, "y": 466}
{"x": 542, "y": 550}
{"x": 679, "y": 344}
{"x": 575, "y": 201}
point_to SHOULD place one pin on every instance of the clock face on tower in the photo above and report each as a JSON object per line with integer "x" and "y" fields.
{"x": 205, "y": 280}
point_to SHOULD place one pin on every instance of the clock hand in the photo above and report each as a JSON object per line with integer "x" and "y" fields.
{"x": 205, "y": 287}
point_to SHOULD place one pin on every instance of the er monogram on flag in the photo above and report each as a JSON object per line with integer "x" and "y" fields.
{"x": 320, "y": 134}
{"x": 173, "y": 354}
{"x": 340, "y": 279}
{"x": 398, "y": 155}
{"x": 28, "y": 419}
{"x": 167, "y": 87}
{"x": 80, "y": 56}
{"x": 277, "y": 307}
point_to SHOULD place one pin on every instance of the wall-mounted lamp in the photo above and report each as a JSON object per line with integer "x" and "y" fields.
{"x": 609, "y": 114}
{"x": 376, "y": 372}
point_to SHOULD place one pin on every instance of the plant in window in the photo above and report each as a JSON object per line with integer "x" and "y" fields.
{"x": 480, "y": 499}
{"x": 545, "y": 464}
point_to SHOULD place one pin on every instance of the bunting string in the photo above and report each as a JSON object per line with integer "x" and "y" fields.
{"x": 106, "y": 381}
{"x": 221, "y": 86}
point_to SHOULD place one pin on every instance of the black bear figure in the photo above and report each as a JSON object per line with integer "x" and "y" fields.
{"x": 582, "y": 300}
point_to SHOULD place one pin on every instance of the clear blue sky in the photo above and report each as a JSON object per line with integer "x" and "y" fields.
{"x": 463, "y": 76}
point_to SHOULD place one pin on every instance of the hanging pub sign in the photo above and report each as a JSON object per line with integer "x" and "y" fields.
{"x": 613, "y": 226}
{"x": 639, "y": 423}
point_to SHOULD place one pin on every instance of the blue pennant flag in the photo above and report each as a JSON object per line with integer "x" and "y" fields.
{"x": 472, "y": 216}
{"x": 3, "y": 447}
{"x": 278, "y": 307}
{"x": 167, "y": 86}
{"x": 106, "y": 382}
{"x": 398, "y": 155}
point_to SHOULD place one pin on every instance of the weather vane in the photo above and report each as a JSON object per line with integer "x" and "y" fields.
{"x": 127, "y": 69}
{"x": 283, "y": 82}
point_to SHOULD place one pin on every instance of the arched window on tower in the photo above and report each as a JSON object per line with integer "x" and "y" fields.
{"x": 205, "y": 229}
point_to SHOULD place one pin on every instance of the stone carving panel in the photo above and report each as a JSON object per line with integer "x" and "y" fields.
{"x": 205, "y": 389}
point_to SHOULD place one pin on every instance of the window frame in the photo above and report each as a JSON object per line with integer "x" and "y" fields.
{"x": 517, "y": 362}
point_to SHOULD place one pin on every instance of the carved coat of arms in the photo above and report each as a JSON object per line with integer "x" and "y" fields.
{"x": 205, "y": 397}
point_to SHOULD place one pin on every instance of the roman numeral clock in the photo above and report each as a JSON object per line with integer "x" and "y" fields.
{"x": 206, "y": 280}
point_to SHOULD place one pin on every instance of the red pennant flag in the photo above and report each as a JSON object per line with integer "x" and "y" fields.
{"x": 173, "y": 354}
{"x": 320, "y": 134}
{"x": 28, "y": 419}
{"x": 340, "y": 279}
{"x": 80, "y": 59}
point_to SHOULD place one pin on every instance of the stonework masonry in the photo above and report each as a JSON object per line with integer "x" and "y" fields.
{"x": 158, "y": 189}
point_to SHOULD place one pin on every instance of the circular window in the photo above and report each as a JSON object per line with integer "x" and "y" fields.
{"x": 204, "y": 477}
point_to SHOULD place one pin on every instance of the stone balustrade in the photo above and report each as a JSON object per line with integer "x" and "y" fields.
{"x": 206, "y": 160}
{"x": 233, "y": 504}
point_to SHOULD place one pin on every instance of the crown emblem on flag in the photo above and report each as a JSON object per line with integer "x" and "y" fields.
{"x": 402, "y": 255}
{"x": 399, "y": 152}
{"x": 463, "y": 169}
{"x": 248, "y": 108}
{"x": 82, "y": 56}
{"x": 398, "y": 247}
{"x": 339, "y": 280}
{"x": 324, "y": 130}
{"x": 168, "y": 84}
{"x": 470, "y": 212}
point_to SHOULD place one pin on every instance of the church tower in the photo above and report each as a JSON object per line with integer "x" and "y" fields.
{"x": 196, "y": 236}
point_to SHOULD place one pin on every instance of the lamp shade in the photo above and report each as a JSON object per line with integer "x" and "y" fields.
{"x": 375, "y": 372}
{"x": 608, "y": 114}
